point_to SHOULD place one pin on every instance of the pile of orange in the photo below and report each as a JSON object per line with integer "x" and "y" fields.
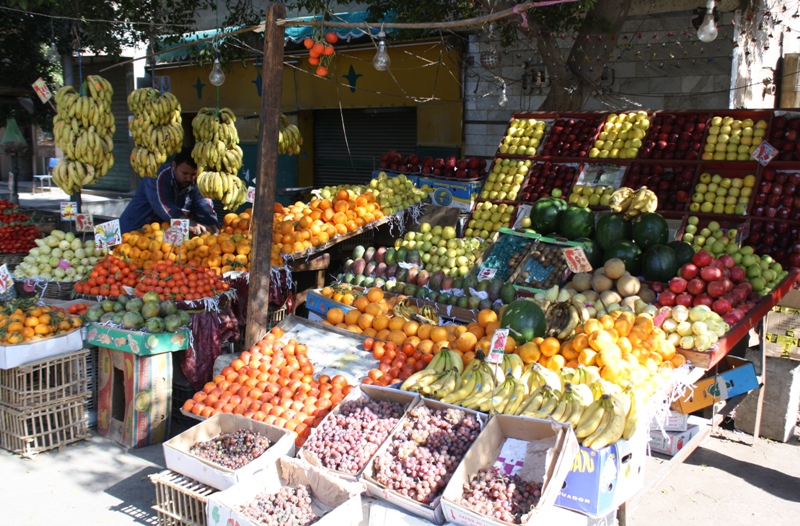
{"x": 272, "y": 382}
{"x": 180, "y": 282}
{"x": 109, "y": 276}
{"x": 341, "y": 292}
{"x": 22, "y": 321}
{"x": 306, "y": 225}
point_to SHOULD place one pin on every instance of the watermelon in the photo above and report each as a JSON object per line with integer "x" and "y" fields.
{"x": 611, "y": 229}
{"x": 524, "y": 319}
{"x": 659, "y": 263}
{"x": 575, "y": 222}
{"x": 592, "y": 250}
{"x": 546, "y": 213}
{"x": 650, "y": 229}
{"x": 683, "y": 251}
{"x": 629, "y": 253}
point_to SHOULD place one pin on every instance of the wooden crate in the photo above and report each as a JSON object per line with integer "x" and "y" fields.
{"x": 180, "y": 501}
{"x": 45, "y": 427}
{"x": 47, "y": 381}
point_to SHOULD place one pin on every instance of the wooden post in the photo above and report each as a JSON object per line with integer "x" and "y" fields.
{"x": 263, "y": 209}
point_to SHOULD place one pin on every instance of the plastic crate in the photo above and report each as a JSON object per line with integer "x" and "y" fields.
{"x": 93, "y": 375}
{"x": 51, "y": 380}
{"x": 180, "y": 500}
{"x": 46, "y": 427}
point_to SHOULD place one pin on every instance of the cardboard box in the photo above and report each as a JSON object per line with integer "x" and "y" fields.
{"x": 434, "y": 512}
{"x": 134, "y": 398}
{"x": 599, "y": 481}
{"x": 782, "y": 333}
{"x": 737, "y": 376}
{"x": 25, "y": 353}
{"x": 551, "y": 462}
{"x": 136, "y": 342}
{"x": 674, "y": 422}
{"x": 457, "y": 194}
{"x": 179, "y": 459}
{"x": 338, "y": 502}
{"x": 673, "y": 442}
{"x": 319, "y": 305}
{"x": 366, "y": 392}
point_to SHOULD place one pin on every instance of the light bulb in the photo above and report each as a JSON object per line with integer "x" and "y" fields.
{"x": 503, "y": 98}
{"x": 381, "y": 62}
{"x": 217, "y": 76}
{"x": 707, "y": 31}
{"x": 52, "y": 54}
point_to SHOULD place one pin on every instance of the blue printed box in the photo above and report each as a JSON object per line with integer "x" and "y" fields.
{"x": 457, "y": 194}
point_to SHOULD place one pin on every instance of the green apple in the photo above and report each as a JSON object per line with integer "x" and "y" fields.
{"x": 705, "y": 178}
{"x": 691, "y": 229}
{"x": 688, "y": 237}
{"x": 693, "y": 220}
{"x": 699, "y": 240}
{"x": 706, "y": 207}
{"x": 556, "y": 192}
{"x": 749, "y": 181}
{"x": 694, "y": 207}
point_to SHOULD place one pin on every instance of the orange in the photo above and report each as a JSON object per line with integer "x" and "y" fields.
{"x": 361, "y": 303}
{"x": 529, "y": 352}
{"x": 466, "y": 342}
{"x": 414, "y": 341}
{"x": 600, "y": 340}
{"x": 587, "y": 357}
{"x": 580, "y": 342}
{"x": 380, "y": 322}
{"x": 397, "y": 323}
{"x": 411, "y": 328}
{"x": 556, "y": 363}
{"x": 624, "y": 344}
{"x": 511, "y": 345}
{"x": 478, "y": 331}
{"x": 550, "y": 346}
{"x": 374, "y": 309}
{"x": 371, "y": 332}
{"x": 351, "y": 318}
{"x": 397, "y": 337}
{"x": 439, "y": 334}
{"x": 383, "y": 334}
{"x": 592, "y": 325}
{"x": 375, "y": 294}
{"x": 493, "y": 326}
{"x": 424, "y": 331}
{"x": 622, "y": 326}
{"x": 609, "y": 356}
{"x": 678, "y": 360}
{"x": 348, "y": 299}
{"x": 335, "y": 315}
{"x": 425, "y": 346}
{"x": 444, "y": 344}
{"x": 365, "y": 321}
{"x": 486, "y": 316}
{"x": 568, "y": 351}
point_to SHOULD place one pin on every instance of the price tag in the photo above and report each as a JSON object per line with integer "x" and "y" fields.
{"x": 173, "y": 236}
{"x": 498, "y": 346}
{"x": 486, "y": 273}
{"x": 5, "y": 279}
{"x": 251, "y": 194}
{"x": 41, "y": 89}
{"x": 522, "y": 212}
{"x": 743, "y": 232}
{"x": 182, "y": 226}
{"x": 576, "y": 259}
{"x": 84, "y": 222}
{"x": 107, "y": 234}
{"x": 764, "y": 153}
{"x": 68, "y": 211}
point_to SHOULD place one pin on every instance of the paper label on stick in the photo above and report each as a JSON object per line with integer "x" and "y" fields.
{"x": 173, "y": 236}
{"x": 41, "y": 89}
{"x": 251, "y": 194}
{"x": 576, "y": 259}
{"x": 107, "y": 234}
{"x": 498, "y": 346}
{"x": 764, "y": 153}
{"x": 68, "y": 211}
{"x": 181, "y": 226}
{"x": 486, "y": 273}
{"x": 5, "y": 279}
{"x": 84, "y": 223}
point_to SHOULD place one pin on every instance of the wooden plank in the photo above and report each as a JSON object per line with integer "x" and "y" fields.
{"x": 263, "y": 214}
{"x": 319, "y": 262}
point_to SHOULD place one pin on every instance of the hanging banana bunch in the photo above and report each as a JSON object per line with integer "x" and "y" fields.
{"x": 289, "y": 138}
{"x": 218, "y": 157}
{"x": 84, "y": 130}
{"x": 156, "y": 129}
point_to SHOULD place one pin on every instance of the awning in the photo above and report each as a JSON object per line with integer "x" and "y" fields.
{"x": 295, "y": 34}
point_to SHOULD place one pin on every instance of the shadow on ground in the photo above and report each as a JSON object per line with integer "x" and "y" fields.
{"x": 137, "y": 496}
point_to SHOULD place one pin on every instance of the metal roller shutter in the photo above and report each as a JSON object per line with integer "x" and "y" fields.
{"x": 370, "y": 133}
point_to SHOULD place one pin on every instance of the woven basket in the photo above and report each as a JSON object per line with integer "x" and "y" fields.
{"x": 12, "y": 260}
{"x": 54, "y": 290}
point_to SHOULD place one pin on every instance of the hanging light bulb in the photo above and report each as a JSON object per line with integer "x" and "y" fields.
{"x": 707, "y": 31}
{"x": 381, "y": 62}
{"x": 52, "y": 54}
{"x": 217, "y": 76}
{"x": 503, "y": 98}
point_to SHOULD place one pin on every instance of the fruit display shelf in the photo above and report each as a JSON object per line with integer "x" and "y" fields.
{"x": 743, "y": 115}
{"x": 784, "y": 134}
{"x": 673, "y": 182}
{"x": 504, "y": 257}
{"x": 543, "y": 267}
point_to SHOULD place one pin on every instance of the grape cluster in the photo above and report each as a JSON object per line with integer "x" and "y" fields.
{"x": 290, "y": 506}
{"x": 495, "y": 494}
{"x": 232, "y": 450}
{"x": 425, "y": 452}
{"x": 346, "y": 442}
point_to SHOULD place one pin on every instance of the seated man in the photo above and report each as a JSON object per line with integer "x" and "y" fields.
{"x": 172, "y": 194}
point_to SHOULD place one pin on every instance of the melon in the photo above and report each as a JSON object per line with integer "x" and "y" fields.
{"x": 524, "y": 319}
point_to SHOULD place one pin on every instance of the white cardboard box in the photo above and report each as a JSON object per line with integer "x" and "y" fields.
{"x": 674, "y": 422}
{"x": 25, "y": 353}
{"x": 559, "y": 447}
{"x": 673, "y": 442}
{"x": 338, "y": 502}
{"x": 178, "y": 458}
{"x": 368, "y": 392}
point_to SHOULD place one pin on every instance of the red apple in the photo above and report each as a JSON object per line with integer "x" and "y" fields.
{"x": 721, "y": 306}
{"x": 695, "y": 286}
{"x": 710, "y": 274}
{"x": 677, "y": 285}
{"x": 728, "y": 261}
{"x": 667, "y": 298}
{"x": 702, "y": 259}
{"x": 657, "y": 287}
{"x": 716, "y": 289}
{"x": 684, "y": 299}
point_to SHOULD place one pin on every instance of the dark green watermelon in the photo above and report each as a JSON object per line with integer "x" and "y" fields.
{"x": 629, "y": 253}
{"x": 683, "y": 252}
{"x": 524, "y": 319}
{"x": 575, "y": 222}
{"x": 650, "y": 229}
{"x": 592, "y": 250}
{"x": 659, "y": 263}
{"x": 611, "y": 229}
{"x": 546, "y": 213}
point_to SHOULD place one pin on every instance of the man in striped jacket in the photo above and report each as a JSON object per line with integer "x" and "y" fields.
{"x": 172, "y": 194}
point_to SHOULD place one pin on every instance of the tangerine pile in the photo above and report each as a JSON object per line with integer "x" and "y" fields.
{"x": 24, "y": 321}
{"x": 272, "y": 382}
{"x": 180, "y": 282}
{"x": 302, "y": 226}
{"x": 108, "y": 277}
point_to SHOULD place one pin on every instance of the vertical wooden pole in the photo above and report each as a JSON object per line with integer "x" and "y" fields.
{"x": 263, "y": 209}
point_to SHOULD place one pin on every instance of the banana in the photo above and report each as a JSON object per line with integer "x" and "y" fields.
{"x": 484, "y": 385}
{"x": 613, "y": 431}
{"x": 516, "y": 398}
{"x": 551, "y": 400}
{"x": 513, "y": 365}
{"x": 465, "y": 390}
{"x": 590, "y": 420}
{"x": 447, "y": 387}
{"x": 632, "y": 419}
{"x": 417, "y": 380}
{"x": 533, "y": 402}
{"x": 575, "y": 413}
{"x": 604, "y": 422}
{"x": 561, "y": 407}
{"x": 501, "y": 395}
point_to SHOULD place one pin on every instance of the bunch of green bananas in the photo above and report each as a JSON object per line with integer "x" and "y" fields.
{"x": 84, "y": 130}
{"x": 289, "y": 138}
{"x": 218, "y": 157}
{"x": 156, "y": 129}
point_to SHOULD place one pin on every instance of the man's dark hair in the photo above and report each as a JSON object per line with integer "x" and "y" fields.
{"x": 185, "y": 156}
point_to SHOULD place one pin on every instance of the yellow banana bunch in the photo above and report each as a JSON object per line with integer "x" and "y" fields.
{"x": 289, "y": 138}
{"x": 633, "y": 203}
{"x": 156, "y": 129}
{"x": 218, "y": 157}
{"x": 84, "y": 130}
